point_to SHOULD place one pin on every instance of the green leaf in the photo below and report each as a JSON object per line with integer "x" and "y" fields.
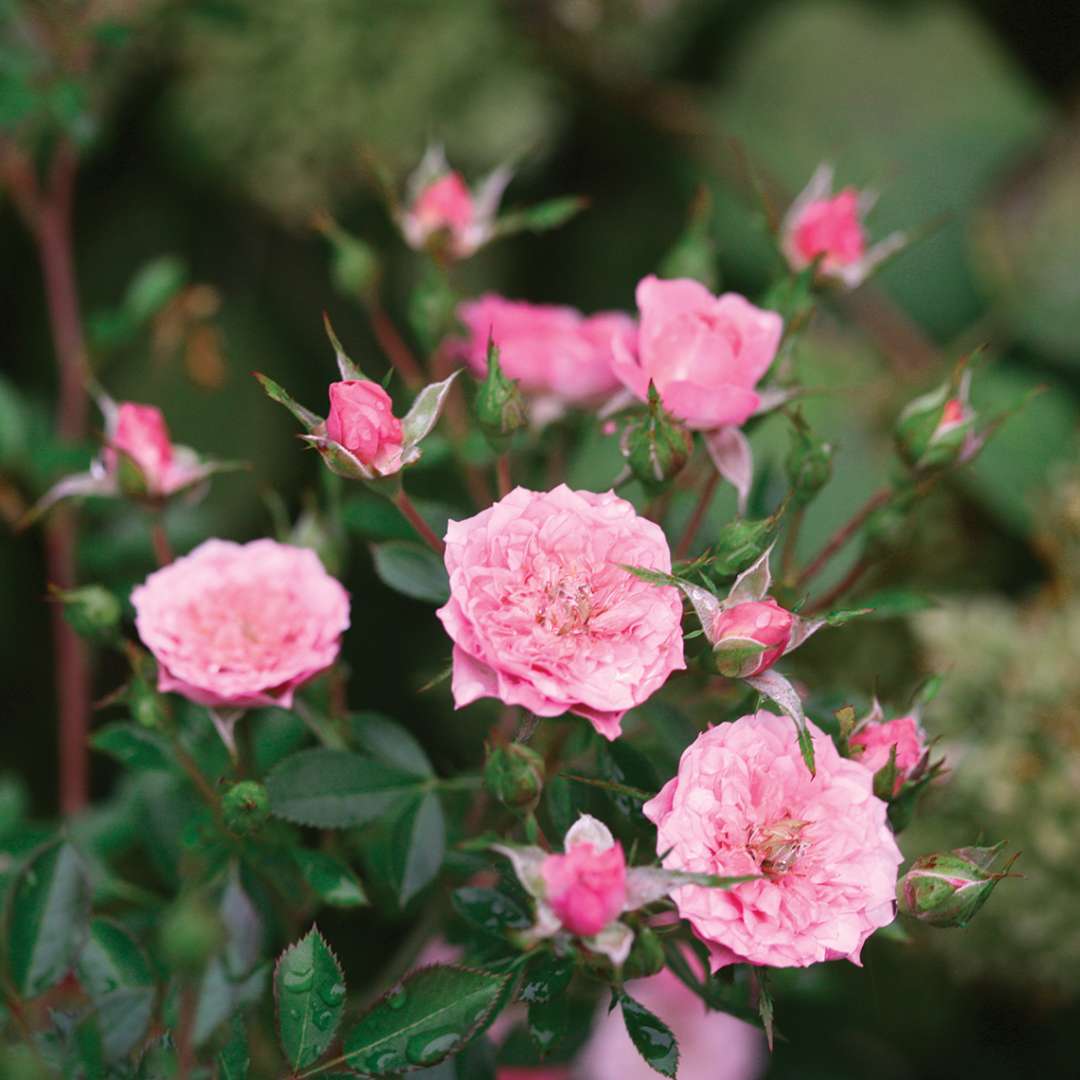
{"x": 376, "y": 518}
{"x": 651, "y": 1036}
{"x": 390, "y": 743}
{"x": 221, "y": 995}
{"x": 412, "y": 569}
{"x": 49, "y": 911}
{"x": 895, "y": 603}
{"x": 431, "y": 1015}
{"x": 116, "y": 975}
{"x": 333, "y": 789}
{"x": 234, "y": 1060}
{"x": 133, "y": 745}
{"x": 331, "y": 879}
{"x": 274, "y": 392}
{"x": 490, "y": 910}
{"x": 546, "y": 979}
{"x": 153, "y": 286}
{"x": 549, "y": 214}
{"x": 409, "y": 852}
{"x": 549, "y": 1021}
{"x": 309, "y": 989}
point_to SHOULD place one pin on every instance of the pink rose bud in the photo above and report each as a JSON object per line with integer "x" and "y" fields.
{"x": 749, "y": 638}
{"x": 947, "y": 889}
{"x": 830, "y": 229}
{"x": 872, "y": 745}
{"x": 141, "y": 435}
{"x": 362, "y": 420}
{"x": 445, "y": 205}
{"x": 586, "y": 888}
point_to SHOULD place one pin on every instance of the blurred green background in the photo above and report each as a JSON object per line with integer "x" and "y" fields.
{"x": 233, "y": 121}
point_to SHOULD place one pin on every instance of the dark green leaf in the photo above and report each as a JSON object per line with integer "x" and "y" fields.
{"x": 234, "y": 1059}
{"x": 546, "y": 979}
{"x": 334, "y": 788}
{"x": 549, "y": 1021}
{"x": 411, "y": 569}
{"x": 540, "y": 218}
{"x": 651, "y": 1036}
{"x": 475, "y": 1062}
{"x": 433, "y": 1014}
{"x": 409, "y": 852}
{"x": 116, "y": 975}
{"x": 388, "y": 742}
{"x": 490, "y": 910}
{"x": 221, "y": 994}
{"x": 48, "y": 918}
{"x": 330, "y": 878}
{"x": 134, "y": 746}
{"x": 309, "y": 989}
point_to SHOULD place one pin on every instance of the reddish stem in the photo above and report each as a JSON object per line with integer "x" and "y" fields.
{"x": 702, "y": 508}
{"x": 163, "y": 552}
{"x": 846, "y": 584}
{"x": 412, "y": 515}
{"x": 502, "y": 474}
{"x": 843, "y": 534}
{"x": 46, "y": 210}
{"x": 393, "y": 344}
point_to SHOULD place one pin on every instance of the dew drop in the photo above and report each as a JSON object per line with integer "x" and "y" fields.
{"x": 430, "y": 1048}
{"x": 397, "y": 998}
{"x": 383, "y": 1061}
{"x": 298, "y": 981}
{"x": 332, "y": 994}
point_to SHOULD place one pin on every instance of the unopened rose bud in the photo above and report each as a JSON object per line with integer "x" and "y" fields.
{"x": 514, "y": 774}
{"x": 646, "y": 955}
{"x": 499, "y": 406}
{"x": 947, "y": 889}
{"x": 362, "y": 420}
{"x": 92, "y": 610}
{"x": 750, "y": 637}
{"x": 586, "y": 888}
{"x": 245, "y": 808}
{"x": 139, "y": 451}
{"x": 658, "y": 446}
{"x": 809, "y": 466}
{"x": 936, "y": 430}
{"x": 443, "y": 211}
{"x": 874, "y": 742}
{"x": 740, "y": 543}
{"x": 190, "y": 934}
{"x": 149, "y": 709}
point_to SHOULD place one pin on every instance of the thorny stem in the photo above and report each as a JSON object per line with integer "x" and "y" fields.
{"x": 843, "y": 534}
{"x": 412, "y": 515}
{"x": 46, "y": 208}
{"x": 702, "y": 508}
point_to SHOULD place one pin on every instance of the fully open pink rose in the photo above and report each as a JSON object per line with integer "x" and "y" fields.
{"x": 743, "y": 802}
{"x": 362, "y": 420}
{"x": 241, "y": 625}
{"x": 749, "y": 638}
{"x": 586, "y": 887}
{"x": 140, "y": 432}
{"x": 543, "y": 615}
{"x": 829, "y": 228}
{"x": 554, "y": 352}
{"x": 712, "y": 1045}
{"x": 873, "y": 743}
{"x": 705, "y": 353}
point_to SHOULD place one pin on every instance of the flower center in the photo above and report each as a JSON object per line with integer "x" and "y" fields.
{"x": 566, "y": 605}
{"x": 777, "y": 847}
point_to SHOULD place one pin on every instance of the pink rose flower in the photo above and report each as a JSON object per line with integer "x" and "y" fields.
{"x": 241, "y": 625}
{"x": 543, "y": 615}
{"x": 749, "y": 638}
{"x": 556, "y": 353}
{"x": 743, "y": 802}
{"x": 140, "y": 432}
{"x": 830, "y": 229}
{"x": 874, "y": 741}
{"x": 704, "y": 353}
{"x": 445, "y": 204}
{"x": 362, "y": 420}
{"x": 821, "y": 225}
{"x": 712, "y": 1045}
{"x": 586, "y": 887}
